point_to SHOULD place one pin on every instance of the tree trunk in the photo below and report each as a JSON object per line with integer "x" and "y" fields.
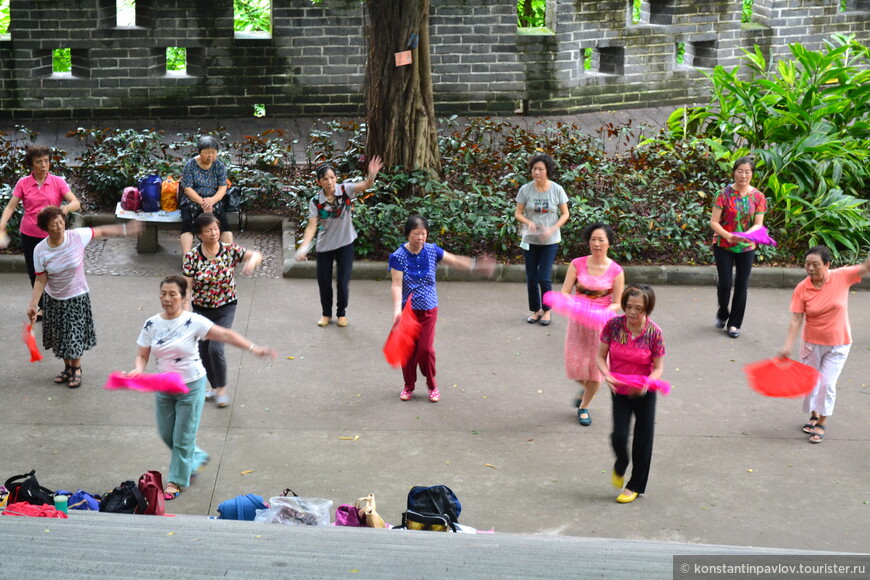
{"x": 400, "y": 109}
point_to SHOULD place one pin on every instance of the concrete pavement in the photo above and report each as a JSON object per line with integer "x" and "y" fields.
{"x": 729, "y": 466}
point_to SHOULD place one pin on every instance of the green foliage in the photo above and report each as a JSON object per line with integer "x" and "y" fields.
{"x": 4, "y": 16}
{"x": 253, "y": 15}
{"x": 806, "y": 122}
{"x": 114, "y": 159}
{"x": 747, "y": 11}
{"x": 532, "y": 13}
{"x": 61, "y": 60}
{"x": 176, "y": 58}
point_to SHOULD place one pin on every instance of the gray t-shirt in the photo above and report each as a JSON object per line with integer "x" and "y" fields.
{"x": 334, "y": 221}
{"x": 542, "y": 207}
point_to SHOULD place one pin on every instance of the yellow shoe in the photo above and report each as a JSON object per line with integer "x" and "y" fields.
{"x": 342, "y": 322}
{"x": 324, "y": 321}
{"x": 617, "y": 480}
{"x": 627, "y": 496}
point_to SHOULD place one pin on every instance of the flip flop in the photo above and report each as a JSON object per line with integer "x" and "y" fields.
{"x": 170, "y": 495}
{"x": 808, "y": 427}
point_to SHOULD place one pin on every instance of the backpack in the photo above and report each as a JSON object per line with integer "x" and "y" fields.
{"x": 232, "y": 200}
{"x": 124, "y": 499}
{"x": 151, "y": 486}
{"x": 149, "y": 187}
{"x": 25, "y": 488}
{"x": 434, "y": 508}
{"x": 131, "y": 199}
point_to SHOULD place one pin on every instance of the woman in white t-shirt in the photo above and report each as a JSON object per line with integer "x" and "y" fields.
{"x": 58, "y": 260}
{"x": 542, "y": 208}
{"x": 329, "y": 215}
{"x": 173, "y": 338}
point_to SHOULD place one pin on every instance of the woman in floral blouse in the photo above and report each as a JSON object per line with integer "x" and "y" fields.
{"x": 738, "y": 208}
{"x": 210, "y": 271}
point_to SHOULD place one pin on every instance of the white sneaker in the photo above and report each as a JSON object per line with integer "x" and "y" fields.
{"x": 210, "y": 395}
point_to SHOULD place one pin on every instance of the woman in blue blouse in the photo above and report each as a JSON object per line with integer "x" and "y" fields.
{"x": 203, "y": 185}
{"x": 413, "y": 268}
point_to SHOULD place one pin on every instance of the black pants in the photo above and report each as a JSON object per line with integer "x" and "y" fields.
{"x": 343, "y": 258}
{"x": 644, "y": 411}
{"x": 726, "y": 262}
{"x": 212, "y": 351}
{"x": 28, "y": 244}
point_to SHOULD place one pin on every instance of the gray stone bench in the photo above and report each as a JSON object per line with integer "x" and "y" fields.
{"x": 146, "y": 242}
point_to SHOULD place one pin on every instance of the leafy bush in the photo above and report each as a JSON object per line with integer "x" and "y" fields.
{"x": 806, "y": 122}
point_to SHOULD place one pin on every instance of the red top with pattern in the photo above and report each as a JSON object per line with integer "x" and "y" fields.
{"x": 738, "y": 215}
{"x": 214, "y": 281}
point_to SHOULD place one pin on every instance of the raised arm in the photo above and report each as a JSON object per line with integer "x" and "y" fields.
{"x": 232, "y": 337}
{"x": 484, "y": 266}
{"x": 375, "y": 165}
{"x": 129, "y": 228}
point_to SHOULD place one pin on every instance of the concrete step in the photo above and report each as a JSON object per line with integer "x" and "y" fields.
{"x": 90, "y": 545}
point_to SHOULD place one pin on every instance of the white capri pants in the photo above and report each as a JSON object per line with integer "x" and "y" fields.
{"x": 829, "y": 361}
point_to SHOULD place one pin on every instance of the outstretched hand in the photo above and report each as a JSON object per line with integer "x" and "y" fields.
{"x": 485, "y": 265}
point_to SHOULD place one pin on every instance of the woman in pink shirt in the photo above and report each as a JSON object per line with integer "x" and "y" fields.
{"x": 34, "y": 192}
{"x": 821, "y": 304}
{"x": 632, "y": 344}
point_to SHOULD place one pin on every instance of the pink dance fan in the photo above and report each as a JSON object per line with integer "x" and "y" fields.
{"x": 579, "y": 309}
{"x": 402, "y": 340}
{"x": 631, "y": 384}
{"x": 781, "y": 377}
{"x": 30, "y": 340}
{"x": 169, "y": 383}
{"x": 758, "y": 236}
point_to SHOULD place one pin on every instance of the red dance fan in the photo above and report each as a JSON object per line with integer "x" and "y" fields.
{"x": 402, "y": 340}
{"x": 169, "y": 383}
{"x": 630, "y": 384}
{"x": 30, "y": 340}
{"x": 759, "y": 236}
{"x": 781, "y": 377}
{"x": 579, "y": 309}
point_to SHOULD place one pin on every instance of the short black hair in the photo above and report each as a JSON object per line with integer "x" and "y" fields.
{"x": 34, "y": 152}
{"x": 586, "y": 234}
{"x": 822, "y": 251}
{"x": 745, "y": 160}
{"x": 548, "y": 163}
{"x": 321, "y": 170}
{"x": 204, "y": 220}
{"x": 414, "y": 222}
{"x": 179, "y": 281}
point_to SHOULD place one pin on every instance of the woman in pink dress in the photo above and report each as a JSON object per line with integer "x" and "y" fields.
{"x": 596, "y": 278}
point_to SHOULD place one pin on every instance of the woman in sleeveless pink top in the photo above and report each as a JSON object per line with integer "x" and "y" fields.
{"x": 596, "y": 278}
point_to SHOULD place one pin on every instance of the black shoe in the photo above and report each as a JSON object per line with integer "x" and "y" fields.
{"x": 719, "y": 323}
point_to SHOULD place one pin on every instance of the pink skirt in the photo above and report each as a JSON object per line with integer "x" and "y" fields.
{"x": 581, "y": 352}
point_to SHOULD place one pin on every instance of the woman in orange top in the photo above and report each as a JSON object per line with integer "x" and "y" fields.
{"x": 820, "y": 302}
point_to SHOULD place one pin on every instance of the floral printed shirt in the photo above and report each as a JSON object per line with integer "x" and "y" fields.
{"x": 214, "y": 281}
{"x": 738, "y": 215}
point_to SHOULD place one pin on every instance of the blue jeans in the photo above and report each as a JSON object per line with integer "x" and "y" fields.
{"x": 177, "y": 423}
{"x": 539, "y": 272}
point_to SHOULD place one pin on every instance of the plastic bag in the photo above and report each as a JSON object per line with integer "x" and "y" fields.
{"x": 296, "y": 511}
{"x": 169, "y": 194}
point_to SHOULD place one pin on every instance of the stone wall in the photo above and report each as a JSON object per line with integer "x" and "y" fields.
{"x": 313, "y": 62}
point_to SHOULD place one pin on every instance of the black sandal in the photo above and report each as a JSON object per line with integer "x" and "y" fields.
{"x": 65, "y": 376}
{"x": 808, "y": 427}
{"x": 75, "y": 380}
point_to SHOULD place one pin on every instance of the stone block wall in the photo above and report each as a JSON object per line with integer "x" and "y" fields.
{"x": 312, "y": 64}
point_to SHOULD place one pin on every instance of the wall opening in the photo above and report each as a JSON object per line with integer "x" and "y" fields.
{"x": 635, "y": 14}
{"x": 259, "y": 109}
{"x": 125, "y": 13}
{"x": 854, "y": 5}
{"x": 176, "y": 59}
{"x": 611, "y": 60}
{"x": 701, "y": 54}
{"x": 252, "y": 18}
{"x": 680, "y": 53}
{"x": 5, "y": 14}
{"x": 61, "y": 61}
